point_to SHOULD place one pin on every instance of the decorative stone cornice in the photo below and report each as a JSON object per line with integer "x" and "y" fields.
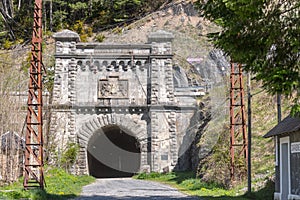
{"x": 160, "y": 36}
{"x": 66, "y": 36}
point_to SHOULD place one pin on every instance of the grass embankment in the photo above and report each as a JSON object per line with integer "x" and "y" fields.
{"x": 187, "y": 183}
{"x": 59, "y": 185}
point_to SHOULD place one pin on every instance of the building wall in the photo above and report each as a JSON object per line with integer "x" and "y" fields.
{"x": 131, "y": 86}
{"x": 11, "y": 157}
{"x": 295, "y": 163}
{"x": 294, "y": 167}
{"x": 277, "y": 167}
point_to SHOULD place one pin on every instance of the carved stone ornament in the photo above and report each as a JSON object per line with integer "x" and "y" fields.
{"x": 113, "y": 88}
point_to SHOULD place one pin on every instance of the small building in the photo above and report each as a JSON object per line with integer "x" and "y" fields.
{"x": 11, "y": 141}
{"x": 287, "y": 164}
{"x": 12, "y": 147}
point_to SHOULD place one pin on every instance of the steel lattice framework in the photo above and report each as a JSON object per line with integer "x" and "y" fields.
{"x": 33, "y": 174}
{"x": 238, "y": 132}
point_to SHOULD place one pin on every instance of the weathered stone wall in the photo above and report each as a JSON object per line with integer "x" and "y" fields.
{"x": 131, "y": 86}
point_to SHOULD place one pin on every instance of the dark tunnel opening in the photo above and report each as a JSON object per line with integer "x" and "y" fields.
{"x": 113, "y": 154}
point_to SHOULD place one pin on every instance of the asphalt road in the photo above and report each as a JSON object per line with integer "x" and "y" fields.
{"x": 130, "y": 189}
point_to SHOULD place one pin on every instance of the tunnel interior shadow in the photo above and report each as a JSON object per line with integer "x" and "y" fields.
{"x": 113, "y": 153}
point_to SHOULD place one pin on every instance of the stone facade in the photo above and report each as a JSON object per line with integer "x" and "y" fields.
{"x": 131, "y": 86}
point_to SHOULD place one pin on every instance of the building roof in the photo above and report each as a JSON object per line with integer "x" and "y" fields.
{"x": 11, "y": 140}
{"x": 288, "y": 125}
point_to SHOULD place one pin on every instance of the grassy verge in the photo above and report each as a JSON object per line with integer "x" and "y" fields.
{"x": 187, "y": 183}
{"x": 59, "y": 185}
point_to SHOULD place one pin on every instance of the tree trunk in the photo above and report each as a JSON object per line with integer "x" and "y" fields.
{"x": 19, "y": 4}
{"x": 51, "y": 19}
{"x": 45, "y": 16}
{"x": 5, "y": 18}
{"x": 11, "y": 8}
{"x": 90, "y": 7}
{"x": 8, "y": 7}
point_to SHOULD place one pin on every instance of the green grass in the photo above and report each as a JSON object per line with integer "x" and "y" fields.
{"x": 59, "y": 185}
{"x": 187, "y": 183}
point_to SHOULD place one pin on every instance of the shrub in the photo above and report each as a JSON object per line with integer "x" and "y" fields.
{"x": 7, "y": 44}
{"x": 148, "y": 175}
{"x": 69, "y": 155}
{"x": 100, "y": 37}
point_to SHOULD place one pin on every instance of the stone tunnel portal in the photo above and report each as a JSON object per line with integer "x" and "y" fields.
{"x": 113, "y": 153}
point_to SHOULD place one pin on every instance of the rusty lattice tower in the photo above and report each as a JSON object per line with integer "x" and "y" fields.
{"x": 33, "y": 174}
{"x": 238, "y": 132}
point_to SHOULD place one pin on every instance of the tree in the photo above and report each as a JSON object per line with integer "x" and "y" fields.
{"x": 16, "y": 17}
{"x": 264, "y": 36}
{"x": 7, "y": 12}
{"x": 113, "y": 13}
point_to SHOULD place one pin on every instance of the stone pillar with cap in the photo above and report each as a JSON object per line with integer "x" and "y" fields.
{"x": 65, "y": 47}
{"x": 163, "y": 126}
{"x": 65, "y": 42}
{"x": 64, "y": 95}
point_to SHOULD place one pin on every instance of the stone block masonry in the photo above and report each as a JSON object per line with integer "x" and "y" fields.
{"x": 98, "y": 87}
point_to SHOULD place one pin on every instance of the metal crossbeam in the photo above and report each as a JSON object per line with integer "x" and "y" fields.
{"x": 33, "y": 170}
{"x": 238, "y": 134}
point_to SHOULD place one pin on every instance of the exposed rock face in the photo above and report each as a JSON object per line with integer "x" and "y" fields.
{"x": 180, "y": 77}
{"x": 213, "y": 68}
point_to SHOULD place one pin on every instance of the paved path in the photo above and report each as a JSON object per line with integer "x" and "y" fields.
{"x": 130, "y": 189}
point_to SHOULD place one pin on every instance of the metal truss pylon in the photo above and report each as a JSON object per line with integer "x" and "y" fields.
{"x": 33, "y": 169}
{"x": 238, "y": 132}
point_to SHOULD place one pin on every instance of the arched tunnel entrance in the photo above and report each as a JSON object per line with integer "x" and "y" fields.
{"x": 113, "y": 153}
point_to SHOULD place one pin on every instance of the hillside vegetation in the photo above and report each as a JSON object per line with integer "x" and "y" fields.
{"x": 17, "y": 16}
{"x": 215, "y": 167}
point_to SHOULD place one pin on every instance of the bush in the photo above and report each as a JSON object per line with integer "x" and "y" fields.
{"x": 7, "y": 44}
{"x": 100, "y": 37}
{"x": 69, "y": 155}
{"x": 148, "y": 175}
{"x": 215, "y": 168}
{"x": 82, "y": 30}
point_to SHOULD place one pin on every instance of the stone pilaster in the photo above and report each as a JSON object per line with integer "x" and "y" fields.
{"x": 145, "y": 167}
{"x": 71, "y": 81}
{"x": 154, "y": 82}
{"x": 169, "y": 81}
{"x": 57, "y": 81}
{"x": 72, "y": 47}
{"x": 161, "y": 71}
{"x": 162, "y": 92}
{"x": 154, "y": 142}
{"x": 173, "y": 138}
{"x": 65, "y": 75}
{"x": 81, "y": 167}
{"x": 72, "y": 126}
{"x": 72, "y": 72}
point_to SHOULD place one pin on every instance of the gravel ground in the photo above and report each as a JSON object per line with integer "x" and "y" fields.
{"x": 130, "y": 189}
